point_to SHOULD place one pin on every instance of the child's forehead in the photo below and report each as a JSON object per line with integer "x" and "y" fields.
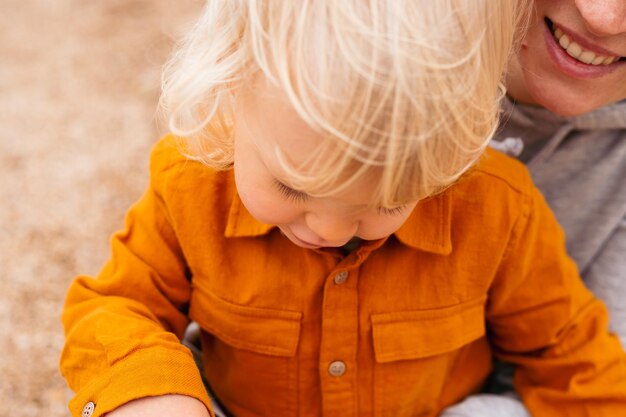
{"x": 299, "y": 155}
{"x": 275, "y": 127}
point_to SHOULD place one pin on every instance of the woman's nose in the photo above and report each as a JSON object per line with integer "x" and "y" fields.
{"x": 332, "y": 228}
{"x": 603, "y": 17}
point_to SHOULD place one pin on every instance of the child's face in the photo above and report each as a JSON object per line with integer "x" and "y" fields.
{"x": 264, "y": 122}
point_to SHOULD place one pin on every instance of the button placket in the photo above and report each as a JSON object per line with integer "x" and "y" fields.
{"x": 338, "y": 348}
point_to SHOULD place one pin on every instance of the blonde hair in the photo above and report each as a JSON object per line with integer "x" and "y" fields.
{"x": 409, "y": 88}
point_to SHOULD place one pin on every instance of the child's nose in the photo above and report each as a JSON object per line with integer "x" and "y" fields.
{"x": 603, "y": 18}
{"x": 333, "y": 229}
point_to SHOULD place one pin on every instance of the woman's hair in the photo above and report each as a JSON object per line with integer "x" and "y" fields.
{"x": 408, "y": 88}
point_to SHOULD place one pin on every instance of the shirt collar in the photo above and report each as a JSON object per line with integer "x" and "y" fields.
{"x": 241, "y": 223}
{"x": 426, "y": 229}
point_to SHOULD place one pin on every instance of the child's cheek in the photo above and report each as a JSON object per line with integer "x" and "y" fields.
{"x": 378, "y": 227}
{"x": 265, "y": 206}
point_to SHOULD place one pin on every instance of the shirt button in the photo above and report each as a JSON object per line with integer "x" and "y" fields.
{"x": 337, "y": 368}
{"x": 341, "y": 277}
{"x": 88, "y": 409}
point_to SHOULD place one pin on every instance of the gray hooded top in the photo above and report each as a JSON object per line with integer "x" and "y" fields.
{"x": 579, "y": 163}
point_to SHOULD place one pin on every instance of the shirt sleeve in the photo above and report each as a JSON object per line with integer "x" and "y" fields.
{"x": 606, "y": 278}
{"x": 542, "y": 318}
{"x": 123, "y": 328}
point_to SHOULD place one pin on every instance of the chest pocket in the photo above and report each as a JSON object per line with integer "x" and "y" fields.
{"x": 415, "y": 352}
{"x": 249, "y": 354}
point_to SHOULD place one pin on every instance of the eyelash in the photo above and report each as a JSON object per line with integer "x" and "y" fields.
{"x": 290, "y": 193}
{"x": 390, "y": 211}
{"x": 298, "y": 197}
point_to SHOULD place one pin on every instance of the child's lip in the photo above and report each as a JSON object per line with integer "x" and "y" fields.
{"x": 318, "y": 244}
{"x": 304, "y": 242}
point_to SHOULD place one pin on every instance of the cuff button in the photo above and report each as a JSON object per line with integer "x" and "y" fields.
{"x": 88, "y": 409}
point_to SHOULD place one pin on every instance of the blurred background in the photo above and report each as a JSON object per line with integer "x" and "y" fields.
{"x": 79, "y": 84}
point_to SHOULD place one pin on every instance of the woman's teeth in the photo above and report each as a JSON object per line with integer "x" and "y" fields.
{"x": 579, "y": 53}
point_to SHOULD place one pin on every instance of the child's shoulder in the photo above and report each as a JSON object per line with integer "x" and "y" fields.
{"x": 173, "y": 174}
{"x": 169, "y": 157}
{"x": 498, "y": 173}
{"x": 496, "y": 186}
{"x": 167, "y": 154}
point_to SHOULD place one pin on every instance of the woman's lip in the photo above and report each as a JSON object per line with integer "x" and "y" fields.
{"x": 571, "y": 66}
{"x": 585, "y": 43}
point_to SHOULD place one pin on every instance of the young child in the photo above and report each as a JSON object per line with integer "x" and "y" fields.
{"x": 308, "y": 224}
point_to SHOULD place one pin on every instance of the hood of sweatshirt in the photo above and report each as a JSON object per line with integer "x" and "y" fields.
{"x": 542, "y": 131}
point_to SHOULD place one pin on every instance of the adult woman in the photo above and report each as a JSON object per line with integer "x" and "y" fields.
{"x": 566, "y": 118}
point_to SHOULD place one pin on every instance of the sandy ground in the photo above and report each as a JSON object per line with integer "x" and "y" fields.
{"x": 79, "y": 83}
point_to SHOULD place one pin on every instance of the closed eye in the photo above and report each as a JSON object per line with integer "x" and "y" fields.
{"x": 394, "y": 211}
{"x": 290, "y": 193}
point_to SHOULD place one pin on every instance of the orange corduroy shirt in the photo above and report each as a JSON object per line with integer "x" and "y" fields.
{"x": 403, "y": 326}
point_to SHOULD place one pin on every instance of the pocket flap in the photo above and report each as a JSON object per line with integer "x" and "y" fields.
{"x": 261, "y": 330}
{"x": 421, "y": 333}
